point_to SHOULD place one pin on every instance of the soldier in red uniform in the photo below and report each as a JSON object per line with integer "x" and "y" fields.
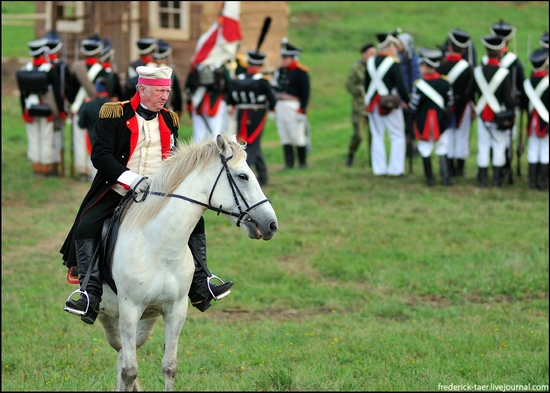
{"x": 461, "y": 76}
{"x": 431, "y": 102}
{"x": 252, "y": 96}
{"x": 291, "y": 83}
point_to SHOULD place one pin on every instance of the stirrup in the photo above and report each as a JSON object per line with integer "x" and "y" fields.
{"x": 74, "y": 310}
{"x": 210, "y": 289}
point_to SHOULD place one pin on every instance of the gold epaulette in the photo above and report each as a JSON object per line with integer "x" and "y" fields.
{"x": 445, "y": 77}
{"x": 112, "y": 110}
{"x": 396, "y": 59}
{"x": 302, "y": 67}
{"x": 174, "y": 116}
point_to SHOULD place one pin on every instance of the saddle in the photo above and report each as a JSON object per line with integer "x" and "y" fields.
{"x": 109, "y": 234}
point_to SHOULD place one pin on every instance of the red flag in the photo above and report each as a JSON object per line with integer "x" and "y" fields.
{"x": 219, "y": 44}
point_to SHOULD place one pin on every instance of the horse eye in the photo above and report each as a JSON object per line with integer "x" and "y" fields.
{"x": 243, "y": 176}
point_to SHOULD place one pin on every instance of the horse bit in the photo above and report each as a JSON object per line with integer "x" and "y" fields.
{"x": 241, "y": 215}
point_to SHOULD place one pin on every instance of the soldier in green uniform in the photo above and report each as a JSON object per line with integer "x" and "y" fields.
{"x": 355, "y": 86}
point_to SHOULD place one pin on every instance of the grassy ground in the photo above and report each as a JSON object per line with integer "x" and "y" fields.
{"x": 371, "y": 283}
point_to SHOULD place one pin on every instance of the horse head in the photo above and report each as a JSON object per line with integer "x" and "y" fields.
{"x": 249, "y": 206}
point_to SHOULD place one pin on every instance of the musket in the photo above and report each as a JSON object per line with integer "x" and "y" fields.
{"x": 519, "y": 151}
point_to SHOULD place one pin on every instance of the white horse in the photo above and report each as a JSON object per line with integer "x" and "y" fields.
{"x": 152, "y": 263}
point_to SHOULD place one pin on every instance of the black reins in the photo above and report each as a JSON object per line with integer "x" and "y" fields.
{"x": 234, "y": 189}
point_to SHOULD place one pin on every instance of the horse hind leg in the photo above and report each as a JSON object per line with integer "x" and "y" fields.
{"x": 111, "y": 330}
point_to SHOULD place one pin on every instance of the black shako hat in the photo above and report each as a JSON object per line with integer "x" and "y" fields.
{"x": 459, "y": 38}
{"x": 162, "y": 51}
{"x": 539, "y": 59}
{"x": 255, "y": 58}
{"x": 38, "y": 46}
{"x": 91, "y": 46}
{"x": 503, "y": 29}
{"x": 54, "y": 42}
{"x": 289, "y": 50}
{"x": 431, "y": 57}
{"x": 146, "y": 45}
{"x": 493, "y": 42}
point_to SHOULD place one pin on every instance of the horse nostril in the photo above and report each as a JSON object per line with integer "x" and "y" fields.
{"x": 273, "y": 227}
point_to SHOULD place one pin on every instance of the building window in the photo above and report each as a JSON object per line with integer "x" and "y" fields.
{"x": 70, "y": 16}
{"x": 170, "y": 20}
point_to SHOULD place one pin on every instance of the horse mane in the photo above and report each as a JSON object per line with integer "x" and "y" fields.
{"x": 185, "y": 158}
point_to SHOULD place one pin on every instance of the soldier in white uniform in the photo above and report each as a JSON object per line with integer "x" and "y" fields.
{"x": 383, "y": 78}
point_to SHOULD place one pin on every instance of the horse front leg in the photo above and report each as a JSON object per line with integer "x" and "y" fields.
{"x": 174, "y": 320}
{"x": 129, "y": 316}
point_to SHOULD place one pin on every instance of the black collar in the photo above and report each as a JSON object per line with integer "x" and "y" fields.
{"x": 146, "y": 113}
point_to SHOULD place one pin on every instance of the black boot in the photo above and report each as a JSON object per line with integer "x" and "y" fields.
{"x": 202, "y": 291}
{"x": 452, "y": 167}
{"x": 349, "y": 162}
{"x": 498, "y": 176}
{"x": 460, "y": 167}
{"x": 444, "y": 171}
{"x": 302, "y": 154}
{"x": 289, "y": 156}
{"x": 543, "y": 177}
{"x": 533, "y": 172}
{"x": 427, "y": 161}
{"x": 482, "y": 174}
{"x": 88, "y": 305}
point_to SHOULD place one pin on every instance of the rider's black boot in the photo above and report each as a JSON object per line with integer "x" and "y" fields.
{"x": 87, "y": 306}
{"x": 202, "y": 291}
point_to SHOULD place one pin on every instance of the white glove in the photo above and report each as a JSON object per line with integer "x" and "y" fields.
{"x": 301, "y": 117}
{"x": 140, "y": 185}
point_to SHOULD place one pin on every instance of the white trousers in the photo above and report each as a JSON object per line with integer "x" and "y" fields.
{"x": 425, "y": 148}
{"x": 82, "y": 162}
{"x": 488, "y": 137}
{"x": 291, "y": 125}
{"x": 458, "y": 145}
{"x": 40, "y": 139}
{"x": 395, "y": 125}
{"x": 537, "y": 150}
{"x": 208, "y": 127}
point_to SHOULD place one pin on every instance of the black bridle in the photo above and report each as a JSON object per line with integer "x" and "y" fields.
{"x": 237, "y": 195}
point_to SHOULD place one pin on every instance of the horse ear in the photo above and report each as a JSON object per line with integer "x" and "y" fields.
{"x": 223, "y": 146}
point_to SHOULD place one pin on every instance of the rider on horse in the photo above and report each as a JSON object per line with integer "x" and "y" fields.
{"x": 131, "y": 140}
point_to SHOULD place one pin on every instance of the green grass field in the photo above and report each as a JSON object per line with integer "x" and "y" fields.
{"x": 371, "y": 284}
